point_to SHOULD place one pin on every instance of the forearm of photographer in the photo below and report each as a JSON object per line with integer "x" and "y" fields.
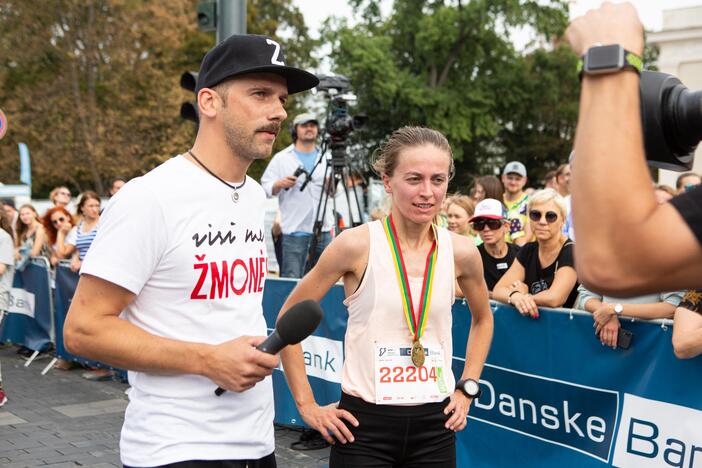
{"x": 613, "y": 199}
{"x": 285, "y": 182}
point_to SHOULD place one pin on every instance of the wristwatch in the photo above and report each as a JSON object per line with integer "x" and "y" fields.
{"x": 601, "y": 59}
{"x": 469, "y": 387}
{"x": 618, "y": 309}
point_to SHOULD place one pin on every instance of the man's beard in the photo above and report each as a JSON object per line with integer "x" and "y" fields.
{"x": 243, "y": 145}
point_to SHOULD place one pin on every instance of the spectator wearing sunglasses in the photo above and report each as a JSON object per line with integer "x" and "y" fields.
{"x": 55, "y": 220}
{"x": 60, "y": 196}
{"x": 491, "y": 224}
{"x": 687, "y": 181}
{"x": 544, "y": 272}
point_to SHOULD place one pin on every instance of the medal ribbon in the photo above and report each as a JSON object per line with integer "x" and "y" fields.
{"x": 415, "y": 322}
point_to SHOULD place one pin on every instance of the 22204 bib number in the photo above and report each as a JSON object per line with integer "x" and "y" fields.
{"x": 407, "y": 374}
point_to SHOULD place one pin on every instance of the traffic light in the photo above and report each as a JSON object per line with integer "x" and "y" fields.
{"x": 188, "y": 110}
{"x": 207, "y": 16}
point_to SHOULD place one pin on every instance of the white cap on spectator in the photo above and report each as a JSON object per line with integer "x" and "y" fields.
{"x": 489, "y": 208}
{"x": 515, "y": 167}
{"x": 304, "y": 118}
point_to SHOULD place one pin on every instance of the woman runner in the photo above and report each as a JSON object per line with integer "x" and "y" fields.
{"x": 398, "y": 405}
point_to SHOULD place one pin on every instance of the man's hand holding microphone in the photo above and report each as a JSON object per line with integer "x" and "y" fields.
{"x": 240, "y": 364}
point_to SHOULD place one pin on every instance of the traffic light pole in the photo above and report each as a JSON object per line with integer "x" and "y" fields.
{"x": 231, "y": 18}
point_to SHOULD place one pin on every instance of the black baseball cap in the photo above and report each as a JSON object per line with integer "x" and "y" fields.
{"x": 241, "y": 54}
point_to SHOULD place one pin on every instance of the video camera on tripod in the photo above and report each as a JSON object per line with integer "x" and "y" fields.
{"x": 338, "y": 127}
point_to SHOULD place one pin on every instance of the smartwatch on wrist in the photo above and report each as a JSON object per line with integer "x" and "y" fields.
{"x": 469, "y": 387}
{"x": 602, "y": 59}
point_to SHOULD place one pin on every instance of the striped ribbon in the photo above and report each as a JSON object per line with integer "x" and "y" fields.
{"x": 416, "y": 322}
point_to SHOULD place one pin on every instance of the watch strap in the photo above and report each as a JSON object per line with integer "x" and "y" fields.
{"x": 632, "y": 61}
{"x": 460, "y": 385}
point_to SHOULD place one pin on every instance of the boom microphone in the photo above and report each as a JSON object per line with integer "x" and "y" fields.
{"x": 294, "y": 326}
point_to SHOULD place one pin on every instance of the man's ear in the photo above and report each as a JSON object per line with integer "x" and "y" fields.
{"x": 208, "y": 102}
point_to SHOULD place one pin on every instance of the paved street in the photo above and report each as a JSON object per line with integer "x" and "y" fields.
{"x": 63, "y": 420}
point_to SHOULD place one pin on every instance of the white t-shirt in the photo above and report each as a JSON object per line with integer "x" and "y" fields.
{"x": 7, "y": 256}
{"x": 298, "y": 210}
{"x": 197, "y": 262}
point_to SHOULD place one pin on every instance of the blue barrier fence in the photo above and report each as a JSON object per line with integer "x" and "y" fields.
{"x": 33, "y": 328}
{"x": 40, "y": 324}
{"x": 553, "y": 396}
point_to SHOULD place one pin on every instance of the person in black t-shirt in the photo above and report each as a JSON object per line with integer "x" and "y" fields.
{"x": 490, "y": 222}
{"x": 544, "y": 273}
{"x": 627, "y": 243}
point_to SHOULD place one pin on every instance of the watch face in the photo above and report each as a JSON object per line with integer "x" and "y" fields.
{"x": 471, "y": 387}
{"x": 610, "y": 57}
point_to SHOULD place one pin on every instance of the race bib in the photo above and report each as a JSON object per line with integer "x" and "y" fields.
{"x": 398, "y": 381}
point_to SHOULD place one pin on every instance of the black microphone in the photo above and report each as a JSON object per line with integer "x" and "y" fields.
{"x": 294, "y": 326}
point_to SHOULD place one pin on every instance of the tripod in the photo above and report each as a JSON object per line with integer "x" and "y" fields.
{"x": 337, "y": 171}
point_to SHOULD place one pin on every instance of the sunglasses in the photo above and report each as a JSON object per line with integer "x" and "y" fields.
{"x": 58, "y": 220}
{"x": 551, "y": 216}
{"x": 493, "y": 224}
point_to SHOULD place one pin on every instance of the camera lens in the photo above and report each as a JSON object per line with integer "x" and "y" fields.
{"x": 672, "y": 121}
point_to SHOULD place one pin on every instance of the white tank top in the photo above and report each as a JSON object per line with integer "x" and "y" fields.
{"x": 376, "y": 314}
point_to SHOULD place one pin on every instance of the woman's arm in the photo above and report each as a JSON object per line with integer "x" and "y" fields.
{"x": 39, "y": 241}
{"x": 469, "y": 272}
{"x": 512, "y": 280}
{"x": 346, "y": 256}
{"x": 687, "y": 333}
{"x": 63, "y": 249}
{"x": 563, "y": 283}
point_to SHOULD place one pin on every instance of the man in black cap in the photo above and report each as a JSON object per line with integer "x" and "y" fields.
{"x": 181, "y": 255}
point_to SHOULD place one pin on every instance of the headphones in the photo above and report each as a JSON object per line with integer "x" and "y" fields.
{"x": 293, "y": 129}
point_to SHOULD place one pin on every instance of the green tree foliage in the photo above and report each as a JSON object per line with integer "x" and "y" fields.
{"x": 92, "y": 86}
{"x": 451, "y": 65}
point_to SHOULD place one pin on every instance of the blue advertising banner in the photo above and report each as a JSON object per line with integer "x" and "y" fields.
{"x": 29, "y": 322}
{"x": 553, "y": 396}
{"x": 66, "y": 283}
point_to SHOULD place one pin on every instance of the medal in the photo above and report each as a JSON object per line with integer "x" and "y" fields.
{"x": 417, "y": 354}
{"x": 415, "y": 322}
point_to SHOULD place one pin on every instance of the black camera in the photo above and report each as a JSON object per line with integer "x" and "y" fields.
{"x": 671, "y": 116}
{"x": 339, "y": 123}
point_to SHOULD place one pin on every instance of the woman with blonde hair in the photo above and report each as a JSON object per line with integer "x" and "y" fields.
{"x": 459, "y": 210}
{"x": 31, "y": 238}
{"x": 543, "y": 273}
{"x": 399, "y": 275}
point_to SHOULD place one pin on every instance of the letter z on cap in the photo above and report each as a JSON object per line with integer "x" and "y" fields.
{"x": 241, "y": 54}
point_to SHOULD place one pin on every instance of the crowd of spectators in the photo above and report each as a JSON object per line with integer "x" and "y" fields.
{"x": 525, "y": 238}
{"x": 56, "y": 235}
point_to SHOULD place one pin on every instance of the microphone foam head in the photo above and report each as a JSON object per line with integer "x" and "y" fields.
{"x": 299, "y": 321}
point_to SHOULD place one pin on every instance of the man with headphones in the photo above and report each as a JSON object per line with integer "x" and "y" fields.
{"x": 285, "y": 177}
